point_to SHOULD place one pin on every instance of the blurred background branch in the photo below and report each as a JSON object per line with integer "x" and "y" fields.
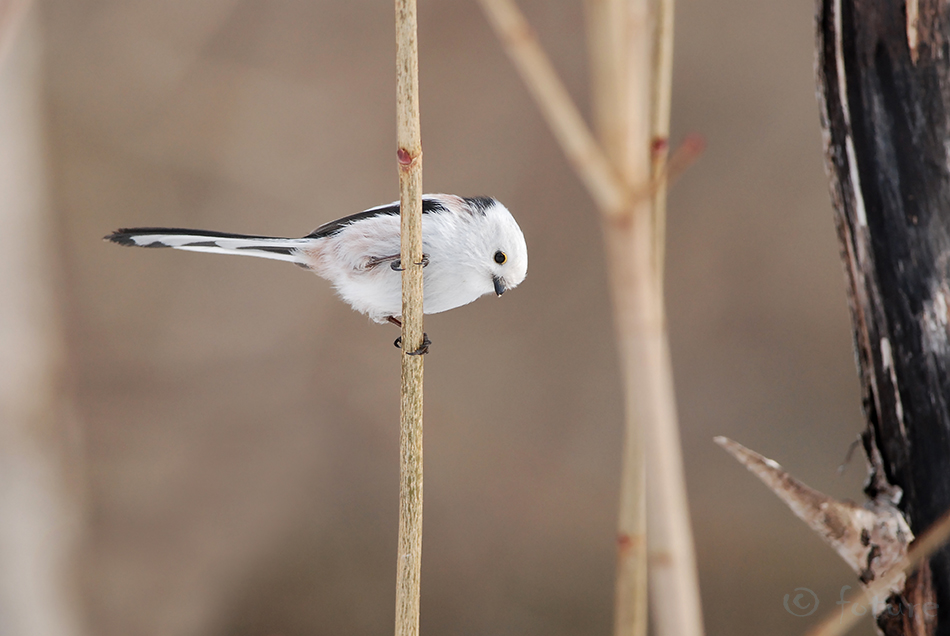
{"x": 632, "y": 59}
{"x": 12, "y": 14}
{"x": 40, "y": 491}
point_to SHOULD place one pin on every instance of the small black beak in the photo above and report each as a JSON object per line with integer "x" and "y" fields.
{"x": 500, "y": 287}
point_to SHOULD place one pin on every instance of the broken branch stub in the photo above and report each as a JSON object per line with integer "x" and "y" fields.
{"x": 871, "y": 539}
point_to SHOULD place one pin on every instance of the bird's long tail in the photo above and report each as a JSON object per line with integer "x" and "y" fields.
{"x": 281, "y": 249}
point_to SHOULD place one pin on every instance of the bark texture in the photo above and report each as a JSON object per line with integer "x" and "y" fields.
{"x": 884, "y": 87}
{"x": 409, "y": 161}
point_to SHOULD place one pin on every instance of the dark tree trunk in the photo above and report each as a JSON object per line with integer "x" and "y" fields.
{"x": 884, "y": 86}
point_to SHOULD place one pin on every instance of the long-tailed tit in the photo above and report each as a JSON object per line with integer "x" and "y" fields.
{"x": 471, "y": 247}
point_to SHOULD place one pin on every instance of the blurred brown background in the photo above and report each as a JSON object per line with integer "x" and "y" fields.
{"x": 231, "y": 449}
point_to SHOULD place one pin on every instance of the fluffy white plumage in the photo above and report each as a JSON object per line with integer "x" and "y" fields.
{"x": 472, "y": 247}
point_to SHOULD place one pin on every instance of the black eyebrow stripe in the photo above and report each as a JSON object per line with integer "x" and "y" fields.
{"x": 480, "y": 204}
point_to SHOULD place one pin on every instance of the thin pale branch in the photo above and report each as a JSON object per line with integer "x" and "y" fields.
{"x": 409, "y": 156}
{"x": 662, "y": 95}
{"x": 585, "y": 155}
{"x": 605, "y": 37}
{"x": 612, "y": 102}
{"x": 613, "y": 197}
{"x": 678, "y": 162}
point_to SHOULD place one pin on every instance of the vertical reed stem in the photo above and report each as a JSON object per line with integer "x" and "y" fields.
{"x": 674, "y": 584}
{"x": 409, "y": 158}
{"x": 613, "y": 102}
{"x": 628, "y": 92}
{"x": 624, "y": 247}
{"x": 662, "y": 97}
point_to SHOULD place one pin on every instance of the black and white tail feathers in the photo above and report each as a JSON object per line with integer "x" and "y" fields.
{"x": 281, "y": 249}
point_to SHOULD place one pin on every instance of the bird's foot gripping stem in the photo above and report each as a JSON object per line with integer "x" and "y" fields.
{"x": 421, "y": 351}
{"x": 424, "y": 349}
{"x": 396, "y": 265}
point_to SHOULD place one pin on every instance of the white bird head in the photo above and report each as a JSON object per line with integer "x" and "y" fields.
{"x": 501, "y": 250}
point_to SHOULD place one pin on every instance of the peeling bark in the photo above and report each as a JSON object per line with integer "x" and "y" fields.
{"x": 884, "y": 88}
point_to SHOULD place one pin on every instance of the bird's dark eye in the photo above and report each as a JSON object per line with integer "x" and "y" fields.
{"x": 500, "y": 257}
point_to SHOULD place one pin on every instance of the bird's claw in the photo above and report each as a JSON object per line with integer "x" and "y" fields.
{"x": 396, "y": 265}
{"x": 421, "y": 351}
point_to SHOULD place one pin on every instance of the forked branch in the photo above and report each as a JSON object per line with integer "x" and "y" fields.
{"x": 625, "y": 183}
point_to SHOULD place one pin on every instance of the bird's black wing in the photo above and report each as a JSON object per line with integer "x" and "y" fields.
{"x": 328, "y": 229}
